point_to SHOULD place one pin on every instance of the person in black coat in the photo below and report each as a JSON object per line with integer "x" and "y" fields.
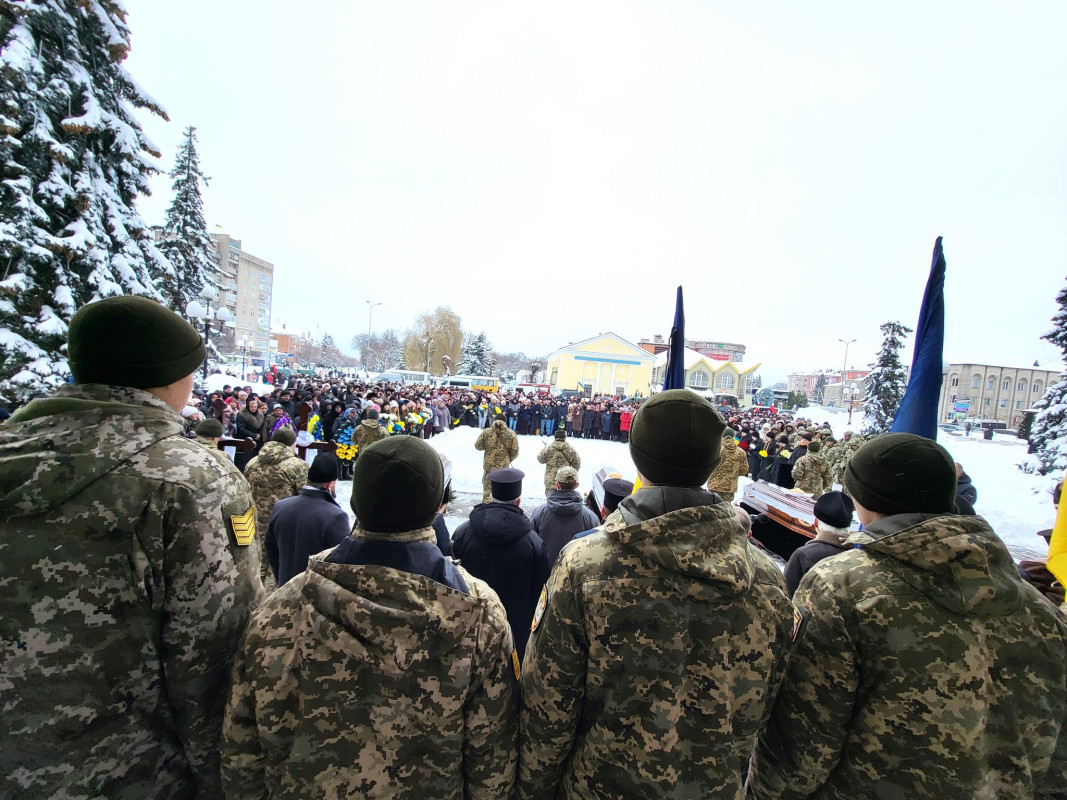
{"x": 498, "y": 545}
{"x": 833, "y": 518}
{"x": 522, "y": 427}
{"x": 965, "y": 487}
{"x": 306, "y": 524}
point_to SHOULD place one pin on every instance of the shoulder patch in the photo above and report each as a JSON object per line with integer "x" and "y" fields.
{"x": 800, "y": 619}
{"x": 516, "y": 665}
{"x": 539, "y": 612}
{"x": 244, "y": 527}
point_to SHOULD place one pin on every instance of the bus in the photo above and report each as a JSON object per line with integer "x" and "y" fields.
{"x": 476, "y": 383}
{"x": 404, "y": 376}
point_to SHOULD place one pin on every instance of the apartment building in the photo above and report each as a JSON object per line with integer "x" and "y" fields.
{"x": 986, "y": 391}
{"x": 247, "y": 287}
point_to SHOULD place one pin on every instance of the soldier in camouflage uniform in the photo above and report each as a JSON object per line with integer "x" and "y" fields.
{"x": 501, "y": 447}
{"x": 925, "y": 667}
{"x": 732, "y": 465}
{"x": 845, "y": 453}
{"x": 127, "y": 572}
{"x": 208, "y": 434}
{"x": 275, "y": 473}
{"x": 558, "y": 454}
{"x": 660, "y": 639}
{"x": 811, "y": 474}
{"x": 385, "y": 670}
{"x": 368, "y": 431}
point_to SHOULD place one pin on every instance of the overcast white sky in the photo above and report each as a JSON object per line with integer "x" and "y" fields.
{"x": 555, "y": 170}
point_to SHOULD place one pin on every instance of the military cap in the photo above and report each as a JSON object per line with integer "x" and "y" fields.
{"x": 285, "y": 436}
{"x": 896, "y": 473}
{"x": 132, "y": 341}
{"x": 566, "y": 475}
{"x": 615, "y": 491}
{"x": 506, "y": 483}
{"x": 676, "y": 438}
{"x": 397, "y": 485}
{"x": 210, "y": 427}
{"x": 728, "y": 433}
{"x": 370, "y": 413}
{"x": 560, "y": 434}
{"x": 835, "y": 509}
{"x": 324, "y": 469}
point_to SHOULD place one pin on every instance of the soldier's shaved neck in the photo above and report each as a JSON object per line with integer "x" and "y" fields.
{"x": 175, "y": 395}
{"x": 866, "y": 516}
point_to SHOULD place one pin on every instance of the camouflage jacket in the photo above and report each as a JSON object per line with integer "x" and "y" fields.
{"x": 656, "y": 651}
{"x": 127, "y": 573}
{"x": 500, "y": 444}
{"x": 812, "y": 475}
{"x": 367, "y": 433}
{"x": 555, "y": 455}
{"x": 275, "y": 473}
{"x": 732, "y": 465}
{"x": 843, "y": 453}
{"x": 926, "y": 668}
{"x": 366, "y": 681}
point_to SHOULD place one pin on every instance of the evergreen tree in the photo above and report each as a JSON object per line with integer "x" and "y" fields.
{"x": 475, "y": 356}
{"x": 73, "y": 161}
{"x": 820, "y": 389}
{"x": 327, "y": 351}
{"x": 393, "y": 350}
{"x": 186, "y": 243}
{"x": 1048, "y": 433}
{"x": 886, "y": 382}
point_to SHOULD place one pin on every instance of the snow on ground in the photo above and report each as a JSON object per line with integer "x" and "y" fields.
{"x": 1017, "y": 505}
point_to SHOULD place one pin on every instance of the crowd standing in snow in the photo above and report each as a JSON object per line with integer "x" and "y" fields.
{"x": 658, "y": 652}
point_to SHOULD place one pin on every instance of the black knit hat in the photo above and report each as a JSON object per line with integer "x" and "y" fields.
{"x": 560, "y": 434}
{"x": 132, "y": 341}
{"x": 397, "y": 485}
{"x": 210, "y": 427}
{"x": 896, "y": 473}
{"x": 835, "y": 509}
{"x": 324, "y": 469}
{"x": 676, "y": 439}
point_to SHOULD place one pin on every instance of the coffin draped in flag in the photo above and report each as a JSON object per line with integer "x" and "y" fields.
{"x": 918, "y": 410}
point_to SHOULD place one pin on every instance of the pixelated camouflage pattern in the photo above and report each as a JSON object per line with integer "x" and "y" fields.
{"x": 367, "y": 433}
{"x": 501, "y": 447}
{"x": 275, "y": 473}
{"x": 732, "y": 465}
{"x": 811, "y": 475}
{"x": 123, "y": 594}
{"x": 927, "y": 669}
{"x": 653, "y": 667}
{"x": 555, "y": 455}
{"x": 364, "y": 681}
{"x": 843, "y": 454}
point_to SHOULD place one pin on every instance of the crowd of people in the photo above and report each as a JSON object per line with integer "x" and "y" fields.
{"x": 648, "y": 648}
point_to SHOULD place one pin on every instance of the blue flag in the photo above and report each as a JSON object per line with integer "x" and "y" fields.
{"x": 918, "y": 409}
{"x": 674, "y": 374}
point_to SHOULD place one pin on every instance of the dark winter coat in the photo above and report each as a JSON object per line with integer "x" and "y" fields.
{"x": 302, "y": 526}
{"x": 966, "y": 489}
{"x": 498, "y": 545}
{"x": 250, "y": 426}
{"x": 806, "y": 557}
{"x": 559, "y": 519}
{"x": 444, "y": 538}
{"x": 588, "y": 415}
{"x": 605, "y": 421}
{"x": 549, "y": 411}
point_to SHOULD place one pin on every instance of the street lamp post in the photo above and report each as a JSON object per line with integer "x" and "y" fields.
{"x": 244, "y": 349}
{"x": 196, "y": 310}
{"x": 844, "y": 364}
{"x": 851, "y": 391}
{"x": 370, "y": 320}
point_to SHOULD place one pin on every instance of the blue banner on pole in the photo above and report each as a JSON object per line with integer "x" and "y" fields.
{"x": 674, "y": 373}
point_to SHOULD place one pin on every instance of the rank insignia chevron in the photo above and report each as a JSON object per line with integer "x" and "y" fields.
{"x": 244, "y": 526}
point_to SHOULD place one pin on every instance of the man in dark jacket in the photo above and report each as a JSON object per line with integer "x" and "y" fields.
{"x": 563, "y": 515}
{"x": 965, "y": 488}
{"x": 833, "y": 518}
{"x": 498, "y": 545}
{"x": 308, "y": 523}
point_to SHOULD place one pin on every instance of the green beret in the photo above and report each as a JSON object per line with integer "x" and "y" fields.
{"x": 210, "y": 427}
{"x": 897, "y": 473}
{"x": 397, "y": 485}
{"x": 676, "y": 439}
{"x": 132, "y": 341}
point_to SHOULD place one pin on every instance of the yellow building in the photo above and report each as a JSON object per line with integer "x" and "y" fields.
{"x": 708, "y": 377}
{"x": 602, "y": 364}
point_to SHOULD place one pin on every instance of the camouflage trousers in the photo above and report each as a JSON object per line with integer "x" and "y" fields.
{"x": 266, "y": 574}
{"x": 487, "y": 489}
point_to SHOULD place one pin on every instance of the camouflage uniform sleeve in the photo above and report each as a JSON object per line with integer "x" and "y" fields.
{"x": 542, "y": 456}
{"x": 576, "y": 460}
{"x": 806, "y": 734}
{"x": 491, "y": 715}
{"x": 299, "y": 476}
{"x": 479, "y": 443}
{"x": 244, "y": 767}
{"x": 553, "y": 683}
{"x": 212, "y": 584}
{"x": 513, "y": 447}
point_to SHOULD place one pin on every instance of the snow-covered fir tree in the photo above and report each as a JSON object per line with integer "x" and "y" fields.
{"x": 186, "y": 243}
{"x": 886, "y": 382}
{"x": 1048, "y": 433}
{"x": 393, "y": 349}
{"x": 73, "y": 160}
{"x": 327, "y": 351}
{"x": 476, "y": 356}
